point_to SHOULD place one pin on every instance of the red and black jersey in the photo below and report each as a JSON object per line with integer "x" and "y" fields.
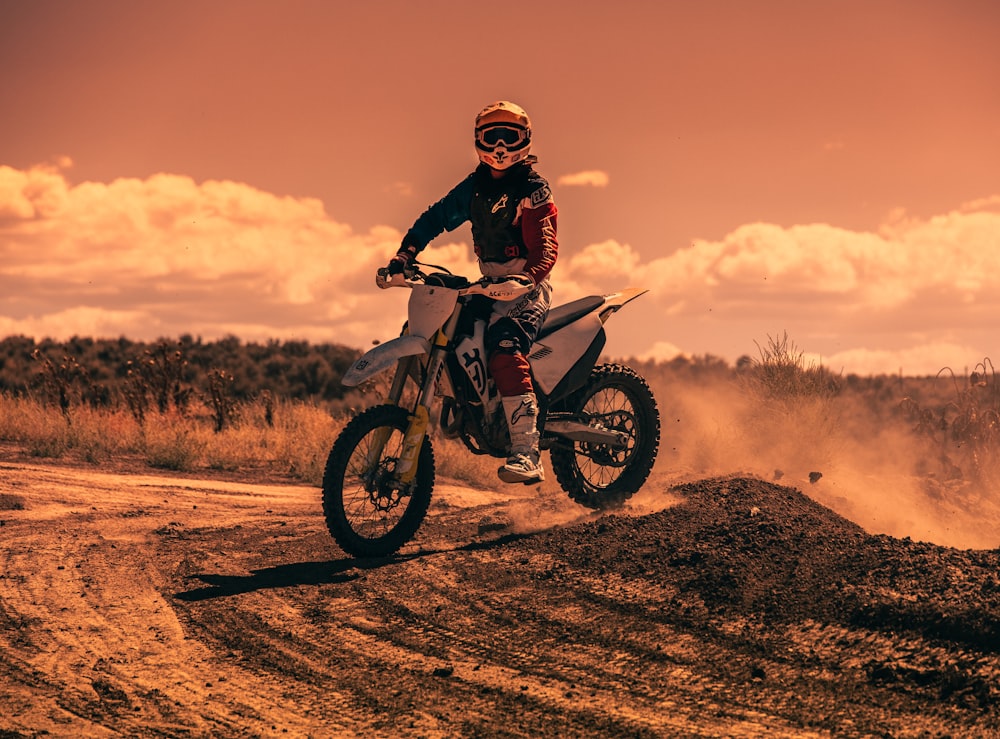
{"x": 513, "y": 217}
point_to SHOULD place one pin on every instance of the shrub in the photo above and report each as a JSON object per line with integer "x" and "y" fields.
{"x": 965, "y": 431}
{"x": 782, "y": 374}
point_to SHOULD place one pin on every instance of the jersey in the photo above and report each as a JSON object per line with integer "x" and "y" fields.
{"x": 513, "y": 221}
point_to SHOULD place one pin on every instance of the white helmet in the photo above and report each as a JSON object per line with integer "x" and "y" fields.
{"x": 503, "y": 135}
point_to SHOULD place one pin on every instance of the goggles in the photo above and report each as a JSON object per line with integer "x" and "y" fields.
{"x": 502, "y": 134}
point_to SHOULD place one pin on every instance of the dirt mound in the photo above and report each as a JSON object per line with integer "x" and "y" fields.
{"x": 749, "y": 547}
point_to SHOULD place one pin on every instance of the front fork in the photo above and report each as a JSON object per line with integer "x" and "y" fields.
{"x": 406, "y": 465}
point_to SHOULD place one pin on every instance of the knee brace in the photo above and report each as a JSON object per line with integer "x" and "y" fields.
{"x": 506, "y": 345}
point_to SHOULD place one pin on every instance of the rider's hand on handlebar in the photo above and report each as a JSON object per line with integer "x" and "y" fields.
{"x": 402, "y": 261}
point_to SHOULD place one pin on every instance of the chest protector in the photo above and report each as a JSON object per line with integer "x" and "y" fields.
{"x": 495, "y": 212}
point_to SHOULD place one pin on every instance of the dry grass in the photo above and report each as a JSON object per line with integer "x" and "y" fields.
{"x": 790, "y": 408}
{"x": 288, "y": 439}
{"x": 963, "y": 433}
{"x": 781, "y": 376}
{"x": 775, "y": 412}
{"x": 457, "y": 463}
{"x": 295, "y": 444}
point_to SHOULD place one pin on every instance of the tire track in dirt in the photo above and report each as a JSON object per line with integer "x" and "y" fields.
{"x": 572, "y": 658}
{"x": 155, "y": 606}
{"x": 97, "y": 627}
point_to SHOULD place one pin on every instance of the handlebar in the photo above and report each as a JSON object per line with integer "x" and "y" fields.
{"x": 495, "y": 288}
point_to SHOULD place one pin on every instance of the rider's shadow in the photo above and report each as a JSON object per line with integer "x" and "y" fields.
{"x": 280, "y": 576}
{"x": 330, "y": 572}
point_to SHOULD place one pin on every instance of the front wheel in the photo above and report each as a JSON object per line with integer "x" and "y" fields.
{"x": 368, "y": 511}
{"x": 601, "y": 476}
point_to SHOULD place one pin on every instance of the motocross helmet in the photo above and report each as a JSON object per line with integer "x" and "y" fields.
{"x": 503, "y": 135}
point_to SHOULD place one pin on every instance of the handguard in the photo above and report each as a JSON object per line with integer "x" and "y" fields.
{"x": 384, "y": 280}
{"x": 509, "y": 288}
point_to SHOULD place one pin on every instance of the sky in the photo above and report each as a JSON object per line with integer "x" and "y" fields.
{"x": 825, "y": 171}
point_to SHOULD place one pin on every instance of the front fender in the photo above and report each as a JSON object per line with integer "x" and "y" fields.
{"x": 384, "y": 356}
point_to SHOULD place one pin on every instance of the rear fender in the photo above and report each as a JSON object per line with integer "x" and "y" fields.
{"x": 384, "y": 356}
{"x": 553, "y": 357}
{"x": 614, "y": 302}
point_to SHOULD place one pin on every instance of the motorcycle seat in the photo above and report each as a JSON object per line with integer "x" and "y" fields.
{"x": 442, "y": 279}
{"x": 563, "y": 315}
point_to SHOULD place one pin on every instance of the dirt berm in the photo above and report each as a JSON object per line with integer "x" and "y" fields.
{"x": 145, "y": 605}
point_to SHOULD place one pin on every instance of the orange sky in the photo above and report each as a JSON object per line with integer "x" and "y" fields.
{"x": 829, "y": 169}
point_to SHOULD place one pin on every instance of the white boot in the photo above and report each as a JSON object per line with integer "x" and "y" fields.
{"x": 524, "y": 463}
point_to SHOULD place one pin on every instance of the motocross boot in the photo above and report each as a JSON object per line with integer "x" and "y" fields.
{"x": 524, "y": 462}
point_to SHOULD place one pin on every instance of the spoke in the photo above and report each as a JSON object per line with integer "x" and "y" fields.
{"x": 367, "y": 482}
{"x": 615, "y": 410}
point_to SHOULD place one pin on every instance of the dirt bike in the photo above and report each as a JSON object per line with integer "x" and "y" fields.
{"x": 599, "y": 423}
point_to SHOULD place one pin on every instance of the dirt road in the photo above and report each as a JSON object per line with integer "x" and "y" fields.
{"x": 144, "y": 605}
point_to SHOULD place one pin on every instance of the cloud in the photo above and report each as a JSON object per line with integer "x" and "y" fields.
{"x": 165, "y": 256}
{"x": 403, "y": 189}
{"x": 36, "y": 193}
{"x": 661, "y": 351}
{"x": 925, "y": 290}
{"x": 82, "y": 321}
{"x": 955, "y": 257}
{"x": 929, "y": 358}
{"x": 991, "y": 203}
{"x": 609, "y": 261}
{"x": 588, "y": 178}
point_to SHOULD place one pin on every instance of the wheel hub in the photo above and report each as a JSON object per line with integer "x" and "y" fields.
{"x": 622, "y": 422}
{"x": 383, "y": 488}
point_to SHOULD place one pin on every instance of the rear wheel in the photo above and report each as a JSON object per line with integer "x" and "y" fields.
{"x": 368, "y": 511}
{"x": 603, "y": 476}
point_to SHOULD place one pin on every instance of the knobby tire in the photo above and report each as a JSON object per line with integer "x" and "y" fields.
{"x": 366, "y": 512}
{"x": 595, "y": 475}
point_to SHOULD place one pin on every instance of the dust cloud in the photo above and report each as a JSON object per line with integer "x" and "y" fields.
{"x": 866, "y": 465}
{"x": 863, "y": 462}
{"x": 549, "y": 509}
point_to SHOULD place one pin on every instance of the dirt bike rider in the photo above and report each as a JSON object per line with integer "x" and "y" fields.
{"x": 513, "y": 219}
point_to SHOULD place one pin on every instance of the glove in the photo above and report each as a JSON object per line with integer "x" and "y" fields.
{"x": 402, "y": 261}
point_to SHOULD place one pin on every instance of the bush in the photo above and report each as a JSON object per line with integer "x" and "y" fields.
{"x": 964, "y": 432}
{"x": 781, "y": 374}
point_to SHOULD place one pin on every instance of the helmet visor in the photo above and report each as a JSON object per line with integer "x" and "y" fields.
{"x": 502, "y": 134}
